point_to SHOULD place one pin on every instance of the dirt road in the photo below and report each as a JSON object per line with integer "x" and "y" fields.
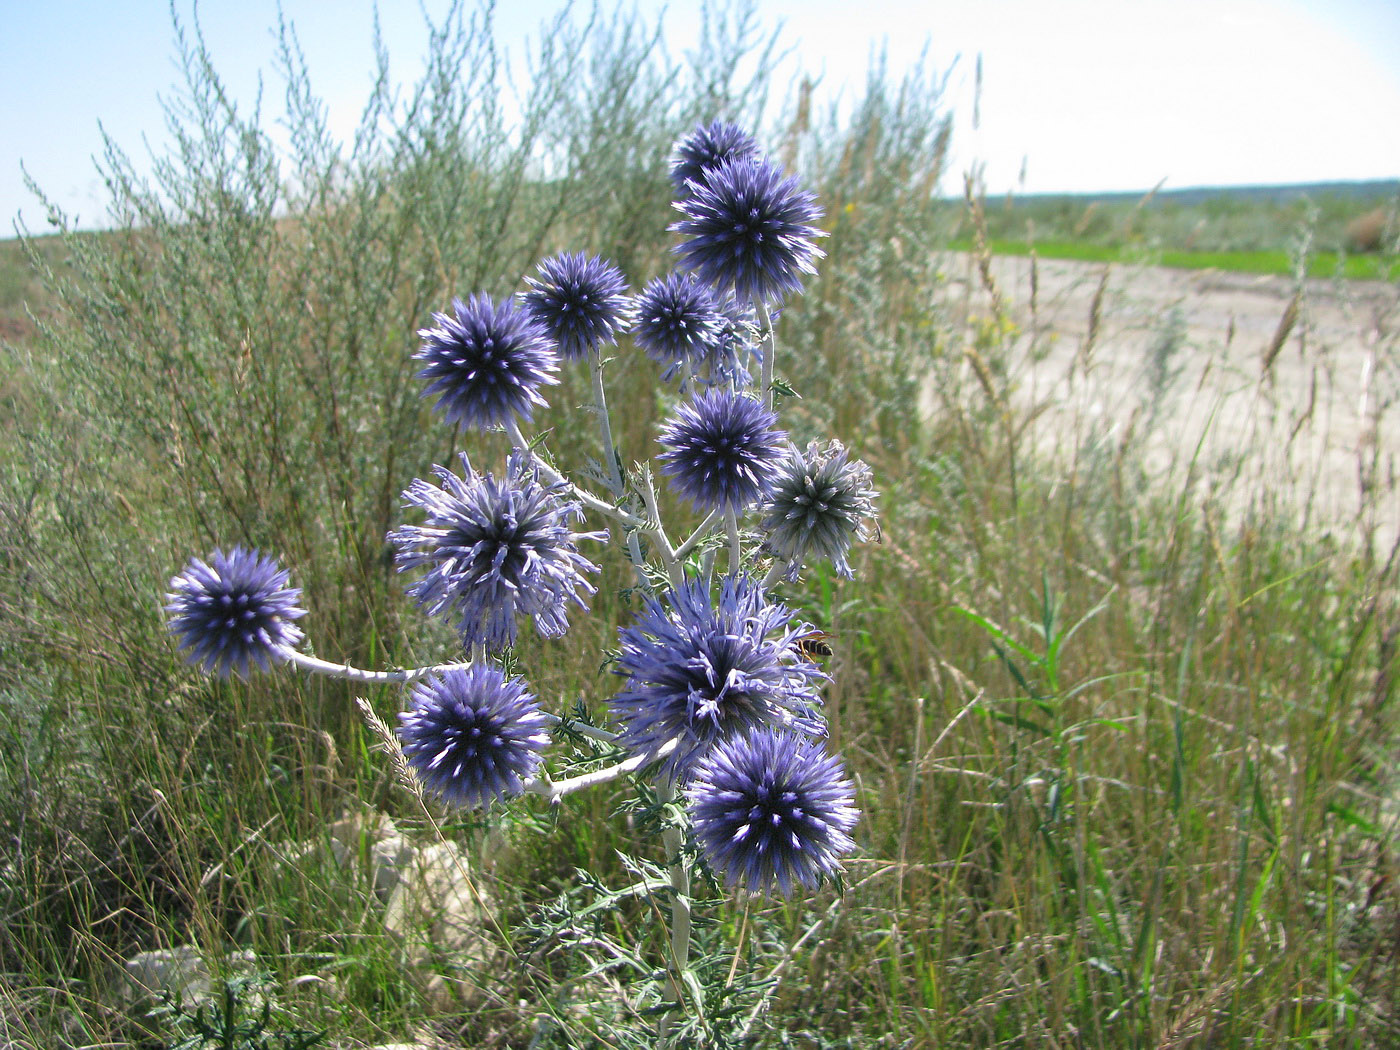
{"x": 1221, "y": 372}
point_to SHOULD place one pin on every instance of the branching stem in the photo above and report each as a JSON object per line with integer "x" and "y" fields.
{"x": 776, "y": 572}
{"x": 736, "y": 550}
{"x": 673, "y": 842}
{"x": 610, "y": 456}
{"x": 669, "y": 560}
{"x": 554, "y": 790}
{"x": 404, "y": 675}
{"x": 701, "y": 531}
{"x": 770, "y": 350}
{"x": 587, "y": 498}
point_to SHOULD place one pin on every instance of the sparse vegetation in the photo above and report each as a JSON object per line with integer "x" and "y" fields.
{"x": 1124, "y": 735}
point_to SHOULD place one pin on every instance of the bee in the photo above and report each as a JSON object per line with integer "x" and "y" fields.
{"x": 813, "y": 644}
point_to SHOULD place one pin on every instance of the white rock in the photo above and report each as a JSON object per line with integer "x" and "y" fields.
{"x": 178, "y": 972}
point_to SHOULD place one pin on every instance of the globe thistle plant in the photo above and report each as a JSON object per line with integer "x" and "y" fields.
{"x": 701, "y": 671}
{"x": 722, "y": 450}
{"x": 486, "y": 363}
{"x": 678, "y": 322}
{"x": 818, "y": 506}
{"x": 473, "y": 736}
{"x": 771, "y": 810}
{"x": 581, "y": 300}
{"x": 234, "y": 611}
{"x": 495, "y": 550}
{"x": 706, "y": 148}
{"x": 716, "y": 703}
{"x": 750, "y": 229}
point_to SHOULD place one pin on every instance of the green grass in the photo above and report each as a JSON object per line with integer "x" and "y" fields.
{"x": 1325, "y": 218}
{"x": 1323, "y": 264}
{"x": 1123, "y": 733}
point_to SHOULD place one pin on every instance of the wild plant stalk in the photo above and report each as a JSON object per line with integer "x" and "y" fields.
{"x": 720, "y": 704}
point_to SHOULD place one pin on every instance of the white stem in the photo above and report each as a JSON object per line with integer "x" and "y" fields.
{"x": 587, "y": 498}
{"x": 634, "y": 547}
{"x": 736, "y": 550}
{"x": 776, "y": 572}
{"x": 584, "y": 729}
{"x": 770, "y": 350}
{"x": 673, "y": 843}
{"x": 554, "y": 790}
{"x": 312, "y": 665}
{"x": 669, "y": 561}
{"x": 701, "y": 531}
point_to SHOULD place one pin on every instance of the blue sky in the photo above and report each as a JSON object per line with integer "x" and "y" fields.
{"x": 1078, "y": 95}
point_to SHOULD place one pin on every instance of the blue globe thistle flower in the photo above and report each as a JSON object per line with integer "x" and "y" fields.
{"x": 818, "y": 506}
{"x": 473, "y": 736}
{"x": 486, "y": 363}
{"x": 700, "y": 672}
{"x": 739, "y": 345}
{"x": 772, "y": 809}
{"x": 494, "y": 550}
{"x": 581, "y": 301}
{"x": 750, "y": 229}
{"x": 705, "y": 148}
{"x": 722, "y": 450}
{"x": 233, "y": 611}
{"x": 678, "y": 321}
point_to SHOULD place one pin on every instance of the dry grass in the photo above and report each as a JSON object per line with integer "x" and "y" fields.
{"x": 1123, "y": 731}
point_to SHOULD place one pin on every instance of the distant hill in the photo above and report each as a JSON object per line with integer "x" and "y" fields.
{"x": 1370, "y": 190}
{"x": 1198, "y": 218}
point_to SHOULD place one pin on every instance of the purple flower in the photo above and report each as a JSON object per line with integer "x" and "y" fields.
{"x": 770, "y": 808}
{"x": 494, "y": 550}
{"x": 678, "y": 321}
{"x": 233, "y": 611}
{"x": 473, "y": 736}
{"x": 819, "y": 506}
{"x": 738, "y": 346}
{"x": 581, "y": 301}
{"x": 700, "y": 672}
{"x": 707, "y": 147}
{"x": 722, "y": 450}
{"x": 486, "y": 363}
{"x": 751, "y": 229}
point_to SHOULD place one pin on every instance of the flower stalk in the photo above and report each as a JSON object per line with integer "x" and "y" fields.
{"x": 612, "y": 458}
{"x": 678, "y": 868}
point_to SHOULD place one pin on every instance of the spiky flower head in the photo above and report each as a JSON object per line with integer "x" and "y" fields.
{"x": 772, "y": 809}
{"x": 473, "y": 736}
{"x": 486, "y": 363}
{"x": 678, "y": 322}
{"x": 818, "y": 506}
{"x": 701, "y": 671}
{"x": 750, "y": 229}
{"x": 581, "y": 300}
{"x": 705, "y": 148}
{"x": 495, "y": 549}
{"x": 722, "y": 450}
{"x": 233, "y": 611}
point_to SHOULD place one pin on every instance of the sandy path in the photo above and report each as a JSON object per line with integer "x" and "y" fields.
{"x": 1314, "y": 430}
